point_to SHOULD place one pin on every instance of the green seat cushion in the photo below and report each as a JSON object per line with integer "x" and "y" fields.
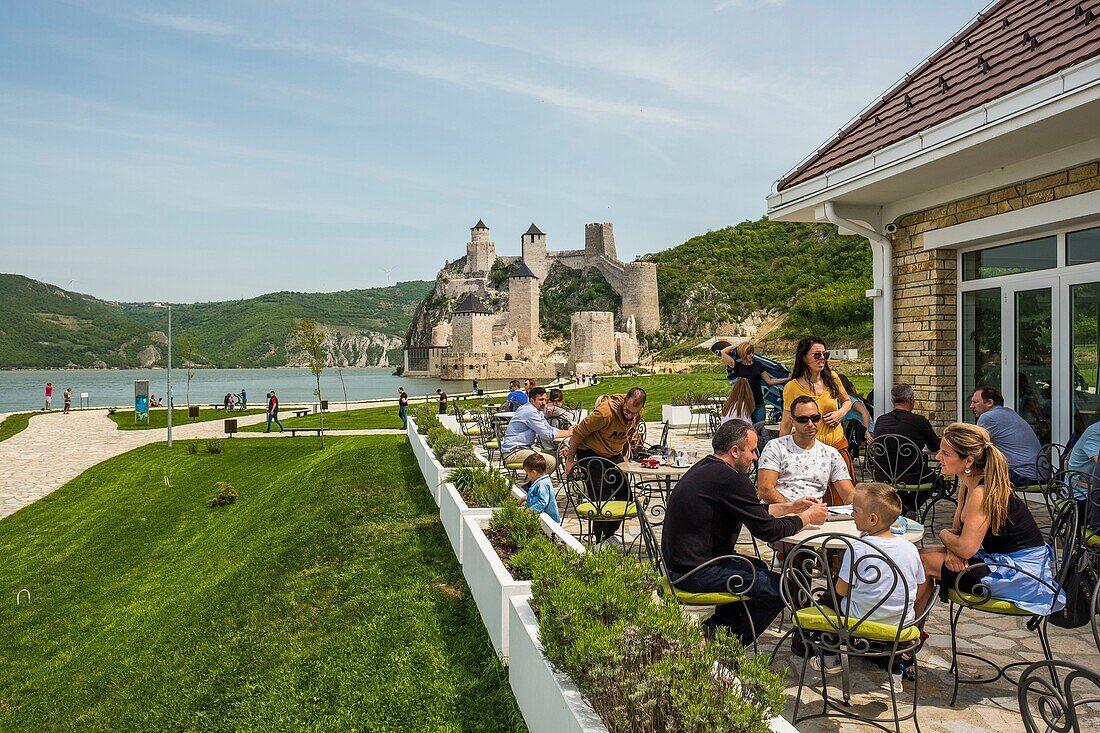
{"x": 608, "y": 510}
{"x": 699, "y": 599}
{"x": 471, "y": 431}
{"x": 993, "y": 605}
{"x": 513, "y": 465}
{"x": 914, "y": 487}
{"x": 1092, "y": 538}
{"x": 1032, "y": 489}
{"x": 492, "y": 444}
{"x": 813, "y": 619}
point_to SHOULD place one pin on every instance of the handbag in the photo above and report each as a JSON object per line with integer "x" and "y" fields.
{"x": 1079, "y": 585}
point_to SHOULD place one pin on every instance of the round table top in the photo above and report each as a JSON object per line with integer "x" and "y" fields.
{"x": 841, "y": 526}
{"x": 637, "y": 469}
{"x": 504, "y": 415}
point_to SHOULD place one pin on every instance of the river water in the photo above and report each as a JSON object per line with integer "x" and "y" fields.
{"x": 25, "y": 389}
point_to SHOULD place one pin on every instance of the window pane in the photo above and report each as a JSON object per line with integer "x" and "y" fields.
{"x": 981, "y": 342}
{"x": 1033, "y": 359}
{"x": 1010, "y": 259}
{"x": 1085, "y": 354}
{"x": 1083, "y": 247}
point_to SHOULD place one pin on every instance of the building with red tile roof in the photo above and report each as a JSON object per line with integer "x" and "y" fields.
{"x": 975, "y": 179}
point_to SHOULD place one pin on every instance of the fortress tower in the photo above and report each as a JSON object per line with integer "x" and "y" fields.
{"x": 472, "y": 327}
{"x": 592, "y": 340}
{"x": 480, "y": 252}
{"x": 639, "y": 293}
{"x": 599, "y": 240}
{"x": 523, "y": 303}
{"x": 533, "y": 248}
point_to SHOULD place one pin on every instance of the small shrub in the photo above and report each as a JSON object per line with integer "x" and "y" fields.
{"x": 513, "y": 528}
{"x": 193, "y": 448}
{"x": 460, "y": 455}
{"x": 214, "y": 445}
{"x": 426, "y": 418}
{"x": 601, "y": 626}
{"x": 226, "y": 495}
{"x": 440, "y": 439}
{"x": 481, "y": 487}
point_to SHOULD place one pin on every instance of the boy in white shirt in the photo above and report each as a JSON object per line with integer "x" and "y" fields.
{"x": 875, "y": 507}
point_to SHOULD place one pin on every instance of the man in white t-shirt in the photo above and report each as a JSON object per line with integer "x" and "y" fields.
{"x": 798, "y": 465}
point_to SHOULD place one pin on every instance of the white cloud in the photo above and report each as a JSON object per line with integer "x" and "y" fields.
{"x": 189, "y": 24}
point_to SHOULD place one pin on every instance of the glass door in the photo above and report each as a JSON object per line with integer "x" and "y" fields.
{"x": 981, "y": 344}
{"x": 1084, "y": 355}
{"x": 1033, "y": 349}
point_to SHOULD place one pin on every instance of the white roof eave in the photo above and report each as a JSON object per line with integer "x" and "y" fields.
{"x": 1076, "y": 85}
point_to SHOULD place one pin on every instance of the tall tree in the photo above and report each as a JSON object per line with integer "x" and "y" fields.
{"x": 309, "y": 339}
{"x": 188, "y": 349}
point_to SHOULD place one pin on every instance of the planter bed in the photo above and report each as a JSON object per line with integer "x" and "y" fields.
{"x": 452, "y": 508}
{"x": 678, "y": 416}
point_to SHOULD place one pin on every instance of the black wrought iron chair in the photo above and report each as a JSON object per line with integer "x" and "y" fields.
{"x": 1049, "y": 464}
{"x": 1063, "y": 538}
{"x": 737, "y": 588}
{"x": 898, "y": 461}
{"x": 809, "y": 592}
{"x": 1056, "y": 692}
{"x": 600, "y": 494}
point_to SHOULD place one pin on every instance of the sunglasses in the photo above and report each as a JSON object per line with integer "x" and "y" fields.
{"x": 820, "y": 355}
{"x": 807, "y": 418}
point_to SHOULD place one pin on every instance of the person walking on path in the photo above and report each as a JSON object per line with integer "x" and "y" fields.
{"x": 403, "y": 407}
{"x": 49, "y": 395}
{"x": 475, "y": 385}
{"x": 442, "y": 401}
{"x": 273, "y": 411}
{"x": 244, "y": 399}
{"x": 68, "y": 399}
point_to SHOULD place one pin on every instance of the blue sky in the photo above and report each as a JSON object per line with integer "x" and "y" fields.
{"x": 217, "y": 150}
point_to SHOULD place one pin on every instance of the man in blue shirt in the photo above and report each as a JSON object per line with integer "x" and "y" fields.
{"x": 528, "y": 425}
{"x": 1009, "y": 432}
{"x": 515, "y": 398}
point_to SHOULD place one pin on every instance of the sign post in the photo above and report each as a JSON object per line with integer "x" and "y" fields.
{"x": 141, "y": 401}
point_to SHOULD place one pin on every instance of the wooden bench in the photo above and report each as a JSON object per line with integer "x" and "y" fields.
{"x": 294, "y": 431}
{"x": 301, "y": 413}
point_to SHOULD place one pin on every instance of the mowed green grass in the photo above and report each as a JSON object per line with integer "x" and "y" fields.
{"x": 326, "y": 599}
{"x": 14, "y": 424}
{"x": 371, "y": 418}
{"x": 159, "y": 418}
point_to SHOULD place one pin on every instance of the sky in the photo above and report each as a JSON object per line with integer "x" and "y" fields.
{"x": 219, "y": 150}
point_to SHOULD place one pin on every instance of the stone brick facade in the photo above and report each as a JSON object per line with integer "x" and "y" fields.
{"x": 926, "y": 284}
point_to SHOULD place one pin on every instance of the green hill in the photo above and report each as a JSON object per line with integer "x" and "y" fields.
{"x": 42, "y": 325}
{"x": 809, "y": 270}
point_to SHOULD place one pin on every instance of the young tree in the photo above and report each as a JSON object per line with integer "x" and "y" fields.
{"x": 309, "y": 339}
{"x": 188, "y": 350}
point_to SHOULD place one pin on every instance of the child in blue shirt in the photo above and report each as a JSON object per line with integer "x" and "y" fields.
{"x": 540, "y": 491}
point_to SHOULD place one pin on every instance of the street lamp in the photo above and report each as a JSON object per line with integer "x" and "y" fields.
{"x": 169, "y": 307}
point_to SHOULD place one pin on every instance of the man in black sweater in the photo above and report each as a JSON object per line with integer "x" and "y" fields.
{"x": 705, "y": 514}
{"x": 892, "y": 456}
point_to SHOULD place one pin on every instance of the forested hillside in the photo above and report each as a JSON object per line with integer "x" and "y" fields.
{"x": 808, "y": 270}
{"x": 42, "y": 325}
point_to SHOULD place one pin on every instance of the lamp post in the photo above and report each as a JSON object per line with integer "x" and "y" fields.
{"x": 170, "y": 407}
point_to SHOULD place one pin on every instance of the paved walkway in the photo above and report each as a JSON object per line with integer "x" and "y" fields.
{"x": 56, "y": 448}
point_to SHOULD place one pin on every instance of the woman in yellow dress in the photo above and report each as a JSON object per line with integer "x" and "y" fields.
{"x": 812, "y": 376}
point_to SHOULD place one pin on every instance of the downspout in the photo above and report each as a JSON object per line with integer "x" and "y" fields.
{"x": 882, "y": 293}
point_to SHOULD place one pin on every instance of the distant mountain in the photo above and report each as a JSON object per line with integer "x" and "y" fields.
{"x": 43, "y": 326}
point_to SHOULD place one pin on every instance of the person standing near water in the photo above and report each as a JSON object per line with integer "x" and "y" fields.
{"x": 68, "y": 399}
{"x": 244, "y": 399}
{"x": 475, "y": 385}
{"x": 49, "y": 395}
{"x": 403, "y": 407}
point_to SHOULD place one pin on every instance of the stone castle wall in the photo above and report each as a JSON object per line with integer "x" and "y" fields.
{"x": 925, "y": 283}
{"x": 592, "y": 338}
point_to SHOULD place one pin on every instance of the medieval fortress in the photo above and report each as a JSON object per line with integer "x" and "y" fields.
{"x": 495, "y": 334}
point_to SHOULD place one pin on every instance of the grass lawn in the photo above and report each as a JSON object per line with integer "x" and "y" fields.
{"x": 336, "y": 419}
{"x": 159, "y": 418}
{"x": 325, "y": 599}
{"x": 15, "y": 423}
